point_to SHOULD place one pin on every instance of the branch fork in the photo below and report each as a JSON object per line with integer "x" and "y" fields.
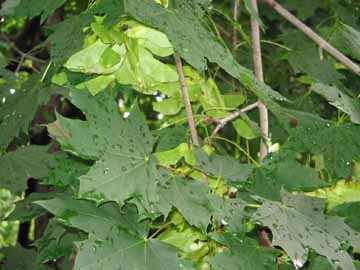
{"x": 222, "y": 122}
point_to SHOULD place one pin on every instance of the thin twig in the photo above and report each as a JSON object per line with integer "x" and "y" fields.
{"x": 187, "y": 104}
{"x": 222, "y": 122}
{"x": 20, "y": 52}
{"x": 19, "y": 65}
{"x": 264, "y": 121}
{"x": 235, "y": 39}
{"x": 313, "y": 36}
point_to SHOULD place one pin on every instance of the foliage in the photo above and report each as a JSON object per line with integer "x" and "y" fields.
{"x": 92, "y": 112}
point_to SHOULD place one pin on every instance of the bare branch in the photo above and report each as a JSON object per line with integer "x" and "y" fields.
{"x": 221, "y": 123}
{"x": 323, "y": 44}
{"x": 263, "y": 112}
{"x": 187, "y": 104}
{"x": 22, "y": 54}
{"x": 235, "y": 18}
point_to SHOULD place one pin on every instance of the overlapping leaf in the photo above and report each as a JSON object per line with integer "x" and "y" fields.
{"x": 298, "y": 224}
{"x": 30, "y": 8}
{"x": 223, "y": 167}
{"x": 340, "y": 100}
{"x": 123, "y": 250}
{"x": 56, "y": 242}
{"x": 191, "y": 198}
{"x": 282, "y": 170}
{"x": 16, "y": 112}
{"x": 116, "y": 237}
{"x": 242, "y": 254}
{"x": 193, "y": 41}
{"x": 17, "y": 166}
{"x": 337, "y": 143}
{"x": 21, "y": 258}
{"x": 86, "y": 216}
{"x": 122, "y": 148}
{"x": 68, "y": 37}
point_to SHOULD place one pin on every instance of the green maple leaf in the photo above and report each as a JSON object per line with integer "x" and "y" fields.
{"x": 56, "y": 242}
{"x": 243, "y": 254}
{"x": 16, "y": 112}
{"x": 116, "y": 237}
{"x": 340, "y": 100}
{"x": 306, "y": 9}
{"x": 123, "y": 250}
{"x": 350, "y": 212}
{"x": 298, "y": 224}
{"x": 225, "y": 167}
{"x": 193, "y": 40}
{"x": 17, "y": 166}
{"x": 337, "y": 143}
{"x": 345, "y": 38}
{"x": 21, "y": 258}
{"x": 191, "y": 198}
{"x": 30, "y": 8}
{"x": 25, "y": 210}
{"x": 86, "y": 216}
{"x": 282, "y": 170}
{"x": 122, "y": 148}
{"x": 68, "y": 37}
{"x": 66, "y": 171}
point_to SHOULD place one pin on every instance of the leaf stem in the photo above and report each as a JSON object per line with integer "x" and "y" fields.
{"x": 239, "y": 148}
{"x": 187, "y": 104}
{"x": 313, "y": 36}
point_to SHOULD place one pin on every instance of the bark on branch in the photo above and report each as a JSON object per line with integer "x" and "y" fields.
{"x": 322, "y": 43}
{"x": 263, "y": 112}
{"x": 187, "y": 104}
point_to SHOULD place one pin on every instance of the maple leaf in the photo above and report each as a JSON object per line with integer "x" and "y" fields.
{"x": 298, "y": 224}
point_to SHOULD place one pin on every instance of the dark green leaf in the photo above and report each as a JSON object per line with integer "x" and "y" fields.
{"x": 298, "y": 223}
{"x": 123, "y": 250}
{"x": 17, "y": 166}
{"x": 21, "y": 258}
{"x": 122, "y": 148}
{"x": 224, "y": 167}
{"x": 68, "y": 37}
{"x": 16, "y": 112}
{"x": 30, "y": 8}
{"x": 56, "y": 242}
{"x": 243, "y": 254}
{"x": 337, "y": 143}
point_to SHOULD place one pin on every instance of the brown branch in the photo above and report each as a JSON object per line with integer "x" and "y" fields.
{"x": 264, "y": 121}
{"x": 263, "y": 112}
{"x": 187, "y": 104}
{"x": 323, "y": 44}
{"x": 222, "y": 122}
{"x": 235, "y": 39}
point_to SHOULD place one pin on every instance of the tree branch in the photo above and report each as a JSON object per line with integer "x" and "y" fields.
{"x": 20, "y": 52}
{"x": 187, "y": 104}
{"x": 221, "y": 123}
{"x": 235, "y": 18}
{"x": 264, "y": 121}
{"x": 323, "y": 44}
